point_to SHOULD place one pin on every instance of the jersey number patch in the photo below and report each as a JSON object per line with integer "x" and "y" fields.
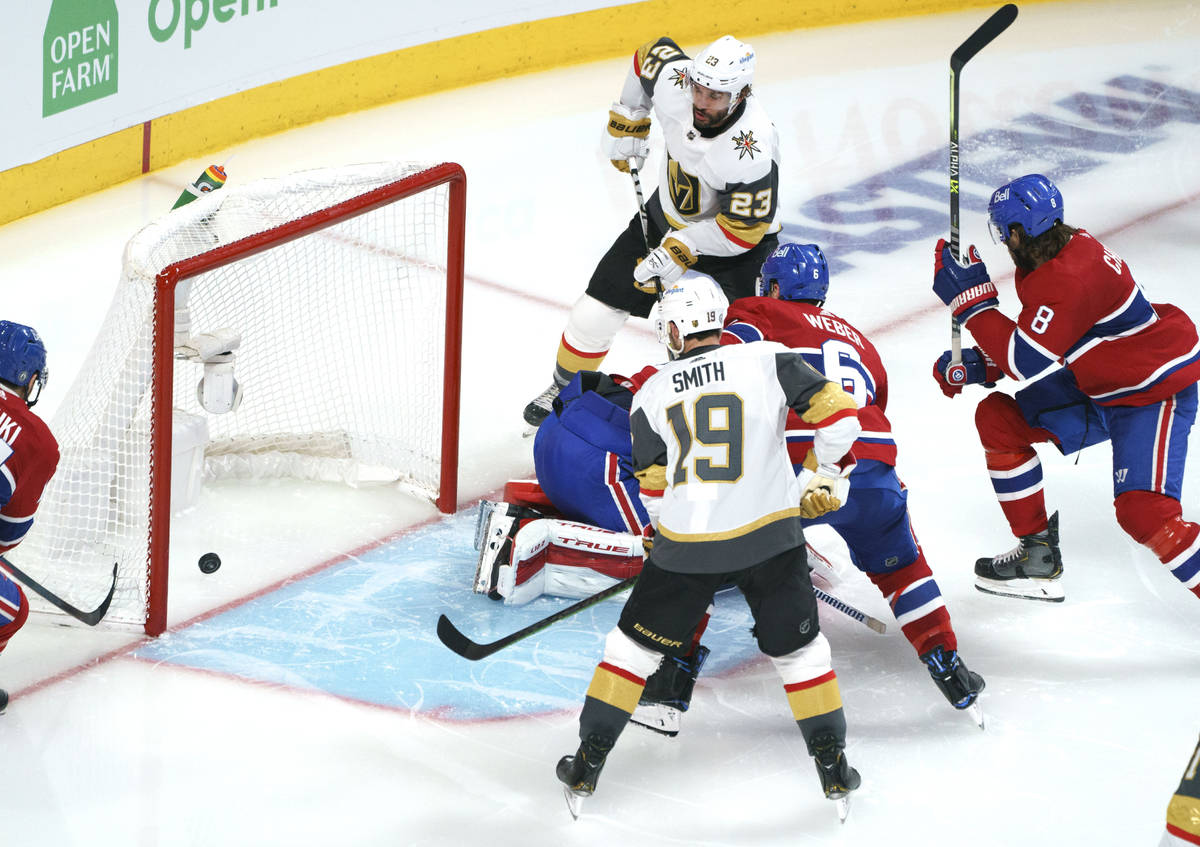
{"x": 718, "y": 423}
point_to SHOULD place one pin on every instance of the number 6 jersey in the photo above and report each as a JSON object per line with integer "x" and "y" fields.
{"x": 708, "y": 430}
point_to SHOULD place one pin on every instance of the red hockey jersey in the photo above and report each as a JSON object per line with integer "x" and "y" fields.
{"x": 1083, "y": 309}
{"x": 28, "y": 458}
{"x": 837, "y": 350}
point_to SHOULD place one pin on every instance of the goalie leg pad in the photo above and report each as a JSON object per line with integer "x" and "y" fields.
{"x": 566, "y": 559}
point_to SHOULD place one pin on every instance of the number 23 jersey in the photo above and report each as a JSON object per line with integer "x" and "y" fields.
{"x": 708, "y": 429}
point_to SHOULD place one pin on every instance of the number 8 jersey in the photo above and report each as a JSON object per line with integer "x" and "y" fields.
{"x": 708, "y": 430}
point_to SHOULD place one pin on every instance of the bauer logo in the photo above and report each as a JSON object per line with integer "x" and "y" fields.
{"x": 79, "y": 54}
{"x": 166, "y": 17}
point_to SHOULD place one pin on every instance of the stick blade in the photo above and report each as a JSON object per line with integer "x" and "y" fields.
{"x": 1000, "y": 20}
{"x": 94, "y": 617}
{"x": 449, "y": 635}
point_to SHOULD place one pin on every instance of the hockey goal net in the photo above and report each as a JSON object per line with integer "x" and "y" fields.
{"x": 344, "y": 288}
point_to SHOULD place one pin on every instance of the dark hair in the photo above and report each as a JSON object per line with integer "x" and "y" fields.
{"x": 1036, "y": 250}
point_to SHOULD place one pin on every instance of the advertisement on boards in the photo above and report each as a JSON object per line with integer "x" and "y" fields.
{"x": 77, "y": 70}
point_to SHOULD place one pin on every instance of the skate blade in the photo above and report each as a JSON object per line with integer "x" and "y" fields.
{"x": 656, "y": 717}
{"x": 1046, "y": 590}
{"x": 574, "y": 802}
{"x": 843, "y": 808}
{"x": 481, "y": 520}
{"x": 976, "y": 713}
{"x": 530, "y": 431}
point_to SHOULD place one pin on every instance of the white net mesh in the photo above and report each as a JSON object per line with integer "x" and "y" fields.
{"x": 340, "y": 362}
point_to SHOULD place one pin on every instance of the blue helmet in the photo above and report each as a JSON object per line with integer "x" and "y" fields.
{"x": 1032, "y": 201}
{"x": 22, "y": 354}
{"x": 800, "y": 270}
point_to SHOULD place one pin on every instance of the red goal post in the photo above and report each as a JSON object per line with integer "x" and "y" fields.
{"x": 328, "y": 281}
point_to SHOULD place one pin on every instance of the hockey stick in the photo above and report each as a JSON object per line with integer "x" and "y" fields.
{"x": 641, "y": 200}
{"x": 90, "y": 618}
{"x": 987, "y": 32}
{"x": 845, "y": 608}
{"x": 449, "y": 634}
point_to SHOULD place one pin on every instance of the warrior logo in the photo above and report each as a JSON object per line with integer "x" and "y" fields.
{"x": 745, "y": 144}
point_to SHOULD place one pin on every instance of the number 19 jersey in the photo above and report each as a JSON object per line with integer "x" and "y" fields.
{"x": 708, "y": 429}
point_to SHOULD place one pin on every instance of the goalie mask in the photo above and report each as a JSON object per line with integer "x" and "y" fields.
{"x": 725, "y": 65}
{"x": 694, "y": 304}
{"x": 800, "y": 271}
{"x": 22, "y": 355}
{"x": 1032, "y": 201}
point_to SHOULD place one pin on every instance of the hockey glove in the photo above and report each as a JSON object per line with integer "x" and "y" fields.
{"x": 977, "y": 369}
{"x": 962, "y": 284}
{"x": 825, "y": 488}
{"x": 667, "y": 261}
{"x": 627, "y": 136}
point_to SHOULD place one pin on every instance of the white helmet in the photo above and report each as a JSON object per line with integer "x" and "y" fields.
{"x": 695, "y": 303}
{"x": 725, "y": 65}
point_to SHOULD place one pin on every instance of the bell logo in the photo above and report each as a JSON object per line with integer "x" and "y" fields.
{"x": 79, "y": 54}
{"x": 1000, "y": 196}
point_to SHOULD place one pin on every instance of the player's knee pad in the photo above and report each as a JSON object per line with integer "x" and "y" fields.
{"x": 1143, "y": 514}
{"x": 806, "y": 663}
{"x": 623, "y": 652}
{"x": 1001, "y": 425}
{"x": 592, "y": 325}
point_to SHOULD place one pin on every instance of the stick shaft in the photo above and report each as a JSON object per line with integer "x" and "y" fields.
{"x": 976, "y": 41}
{"x": 450, "y": 635}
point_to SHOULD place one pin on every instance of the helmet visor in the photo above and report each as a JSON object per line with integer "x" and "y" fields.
{"x": 999, "y": 233}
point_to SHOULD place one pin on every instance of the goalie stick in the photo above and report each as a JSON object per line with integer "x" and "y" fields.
{"x": 987, "y": 32}
{"x": 90, "y": 618}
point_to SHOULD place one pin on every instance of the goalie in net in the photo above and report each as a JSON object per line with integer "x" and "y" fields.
{"x": 584, "y": 468}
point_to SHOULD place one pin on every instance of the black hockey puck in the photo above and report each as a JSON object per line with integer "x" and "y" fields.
{"x": 209, "y": 562}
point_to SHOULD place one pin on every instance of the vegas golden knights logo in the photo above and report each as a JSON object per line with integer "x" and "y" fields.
{"x": 685, "y": 189}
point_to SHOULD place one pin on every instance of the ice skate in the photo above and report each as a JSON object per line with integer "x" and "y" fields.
{"x": 668, "y": 693}
{"x": 3, "y": 700}
{"x": 539, "y": 408}
{"x": 580, "y": 773}
{"x": 1032, "y": 570}
{"x": 838, "y": 779}
{"x": 495, "y": 526}
{"x": 960, "y": 685}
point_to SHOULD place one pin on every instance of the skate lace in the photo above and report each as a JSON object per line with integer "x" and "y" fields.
{"x": 546, "y": 398}
{"x": 1012, "y": 555}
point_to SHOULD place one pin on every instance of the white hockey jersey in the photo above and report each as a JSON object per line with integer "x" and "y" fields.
{"x": 708, "y": 429}
{"x": 717, "y": 188}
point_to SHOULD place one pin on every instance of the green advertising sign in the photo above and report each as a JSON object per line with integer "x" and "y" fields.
{"x": 79, "y": 54}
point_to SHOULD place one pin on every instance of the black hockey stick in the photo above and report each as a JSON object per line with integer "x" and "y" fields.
{"x": 641, "y": 200}
{"x": 468, "y": 649}
{"x": 90, "y": 618}
{"x": 1000, "y": 20}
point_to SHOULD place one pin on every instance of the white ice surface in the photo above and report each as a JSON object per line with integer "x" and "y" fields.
{"x": 1092, "y": 705}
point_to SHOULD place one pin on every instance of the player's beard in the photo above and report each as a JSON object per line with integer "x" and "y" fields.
{"x": 708, "y": 118}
